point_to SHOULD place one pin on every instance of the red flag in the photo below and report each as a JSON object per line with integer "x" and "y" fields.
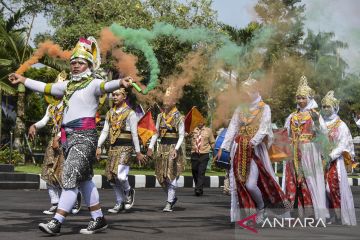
{"x": 146, "y": 127}
{"x": 192, "y": 119}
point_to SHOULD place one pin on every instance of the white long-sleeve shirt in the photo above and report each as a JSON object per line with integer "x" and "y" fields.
{"x": 131, "y": 124}
{"x": 42, "y": 123}
{"x": 83, "y": 103}
{"x": 343, "y": 140}
{"x": 181, "y": 133}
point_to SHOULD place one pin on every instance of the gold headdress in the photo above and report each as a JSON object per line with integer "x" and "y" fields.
{"x": 169, "y": 91}
{"x": 330, "y": 100}
{"x": 249, "y": 82}
{"x": 87, "y": 49}
{"x": 121, "y": 91}
{"x": 304, "y": 89}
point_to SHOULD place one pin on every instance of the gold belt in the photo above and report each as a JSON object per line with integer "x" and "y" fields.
{"x": 171, "y": 135}
{"x": 306, "y": 137}
{"x": 125, "y": 135}
{"x": 248, "y": 130}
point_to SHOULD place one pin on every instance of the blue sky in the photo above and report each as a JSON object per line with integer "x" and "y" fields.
{"x": 339, "y": 16}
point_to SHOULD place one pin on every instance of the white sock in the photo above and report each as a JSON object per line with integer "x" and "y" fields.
{"x": 59, "y": 217}
{"x": 171, "y": 193}
{"x": 119, "y": 193}
{"x": 122, "y": 175}
{"x": 97, "y": 213}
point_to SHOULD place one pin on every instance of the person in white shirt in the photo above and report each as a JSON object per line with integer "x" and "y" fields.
{"x": 169, "y": 162}
{"x": 252, "y": 178}
{"x": 80, "y": 97}
{"x": 339, "y": 196}
{"x": 121, "y": 124}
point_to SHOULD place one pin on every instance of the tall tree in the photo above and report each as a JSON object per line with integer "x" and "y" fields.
{"x": 283, "y": 64}
{"x": 14, "y": 51}
{"x": 323, "y": 52}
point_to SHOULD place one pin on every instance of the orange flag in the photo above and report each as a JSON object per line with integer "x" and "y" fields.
{"x": 280, "y": 150}
{"x": 97, "y": 117}
{"x": 146, "y": 127}
{"x": 192, "y": 119}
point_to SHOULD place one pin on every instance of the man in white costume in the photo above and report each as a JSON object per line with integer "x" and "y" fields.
{"x": 121, "y": 124}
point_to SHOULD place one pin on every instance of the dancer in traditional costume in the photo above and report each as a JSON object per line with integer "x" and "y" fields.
{"x": 303, "y": 177}
{"x": 339, "y": 196}
{"x": 54, "y": 158}
{"x": 169, "y": 162}
{"x": 78, "y": 134}
{"x": 121, "y": 122}
{"x": 252, "y": 178}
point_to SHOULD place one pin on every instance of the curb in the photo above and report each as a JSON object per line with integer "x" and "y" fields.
{"x": 150, "y": 181}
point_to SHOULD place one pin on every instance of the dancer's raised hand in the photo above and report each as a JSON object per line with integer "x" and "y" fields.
{"x": 126, "y": 82}
{"x": 32, "y": 132}
{"x": 15, "y": 78}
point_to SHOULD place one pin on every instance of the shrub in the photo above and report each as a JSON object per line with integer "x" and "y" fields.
{"x": 16, "y": 156}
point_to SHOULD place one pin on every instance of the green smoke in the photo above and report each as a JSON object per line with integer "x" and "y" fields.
{"x": 227, "y": 51}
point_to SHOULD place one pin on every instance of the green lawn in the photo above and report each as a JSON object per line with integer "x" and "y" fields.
{"x": 100, "y": 171}
{"x": 36, "y": 170}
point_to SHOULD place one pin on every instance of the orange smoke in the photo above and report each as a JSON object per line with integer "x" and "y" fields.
{"x": 227, "y": 101}
{"x": 108, "y": 41}
{"x": 194, "y": 64}
{"x": 126, "y": 64}
{"x": 46, "y": 48}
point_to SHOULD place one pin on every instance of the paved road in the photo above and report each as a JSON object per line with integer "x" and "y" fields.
{"x": 194, "y": 218}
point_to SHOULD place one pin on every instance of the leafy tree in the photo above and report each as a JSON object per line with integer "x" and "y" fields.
{"x": 323, "y": 53}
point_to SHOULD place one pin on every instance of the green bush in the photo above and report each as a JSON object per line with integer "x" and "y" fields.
{"x": 16, "y": 156}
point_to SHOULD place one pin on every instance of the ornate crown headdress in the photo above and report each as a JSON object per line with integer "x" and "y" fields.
{"x": 330, "y": 100}
{"x": 122, "y": 91}
{"x": 89, "y": 50}
{"x": 304, "y": 89}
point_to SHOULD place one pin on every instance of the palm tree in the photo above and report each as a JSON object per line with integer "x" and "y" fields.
{"x": 323, "y": 52}
{"x": 321, "y": 44}
{"x": 14, "y": 51}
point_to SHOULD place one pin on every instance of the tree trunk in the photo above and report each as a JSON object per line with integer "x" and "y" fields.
{"x": 20, "y": 125}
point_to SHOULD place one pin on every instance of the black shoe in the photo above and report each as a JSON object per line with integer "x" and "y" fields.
{"x": 117, "y": 208}
{"x": 173, "y": 202}
{"x": 51, "y": 211}
{"x": 199, "y": 192}
{"x": 52, "y": 227}
{"x": 170, "y": 205}
{"x": 95, "y": 226}
{"x": 76, "y": 208}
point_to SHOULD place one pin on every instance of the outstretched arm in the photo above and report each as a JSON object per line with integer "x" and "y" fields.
{"x": 110, "y": 86}
{"x": 55, "y": 89}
